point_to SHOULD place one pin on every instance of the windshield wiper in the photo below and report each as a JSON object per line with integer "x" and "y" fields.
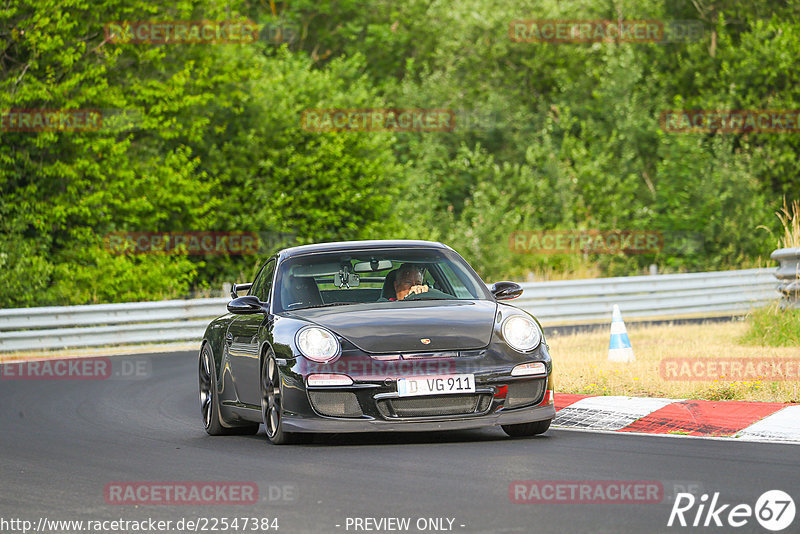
{"x": 326, "y": 305}
{"x": 428, "y": 298}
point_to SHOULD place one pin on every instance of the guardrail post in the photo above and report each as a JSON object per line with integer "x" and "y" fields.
{"x": 788, "y": 274}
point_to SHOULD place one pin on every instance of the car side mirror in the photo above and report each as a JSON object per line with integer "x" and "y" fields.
{"x": 506, "y": 290}
{"x": 239, "y": 287}
{"x": 249, "y": 304}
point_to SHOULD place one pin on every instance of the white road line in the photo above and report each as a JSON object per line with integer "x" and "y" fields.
{"x": 796, "y": 441}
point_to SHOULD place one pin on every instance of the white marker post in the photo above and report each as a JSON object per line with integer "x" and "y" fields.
{"x": 619, "y": 347}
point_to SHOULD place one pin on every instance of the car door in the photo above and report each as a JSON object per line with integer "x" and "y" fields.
{"x": 243, "y": 343}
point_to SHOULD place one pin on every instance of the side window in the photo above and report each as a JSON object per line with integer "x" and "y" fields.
{"x": 428, "y": 278}
{"x": 263, "y": 282}
{"x": 256, "y": 282}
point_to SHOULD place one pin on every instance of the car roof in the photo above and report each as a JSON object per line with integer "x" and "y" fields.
{"x": 359, "y": 245}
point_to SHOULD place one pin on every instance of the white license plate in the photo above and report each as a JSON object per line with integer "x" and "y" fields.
{"x": 435, "y": 385}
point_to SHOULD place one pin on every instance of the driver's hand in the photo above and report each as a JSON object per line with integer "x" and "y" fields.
{"x": 417, "y": 290}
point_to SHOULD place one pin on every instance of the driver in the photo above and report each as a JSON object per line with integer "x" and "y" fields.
{"x": 409, "y": 280}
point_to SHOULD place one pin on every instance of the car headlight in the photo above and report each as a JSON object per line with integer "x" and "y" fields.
{"x": 521, "y": 333}
{"x": 318, "y": 344}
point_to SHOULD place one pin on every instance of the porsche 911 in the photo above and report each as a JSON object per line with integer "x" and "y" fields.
{"x": 362, "y": 336}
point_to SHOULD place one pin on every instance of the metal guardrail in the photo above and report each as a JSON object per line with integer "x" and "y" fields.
{"x": 560, "y": 302}
{"x": 656, "y": 296}
{"x": 107, "y": 324}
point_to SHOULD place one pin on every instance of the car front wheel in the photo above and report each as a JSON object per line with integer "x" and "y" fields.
{"x": 527, "y": 429}
{"x": 272, "y": 405}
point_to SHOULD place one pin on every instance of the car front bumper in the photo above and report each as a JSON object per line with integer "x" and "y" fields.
{"x": 317, "y": 423}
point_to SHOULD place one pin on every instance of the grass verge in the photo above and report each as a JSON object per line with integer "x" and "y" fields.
{"x": 581, "y": 363}
{"x": 771, "y": 326}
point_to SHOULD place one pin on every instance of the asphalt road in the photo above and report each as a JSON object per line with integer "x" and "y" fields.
{"x": 63, "y": 441}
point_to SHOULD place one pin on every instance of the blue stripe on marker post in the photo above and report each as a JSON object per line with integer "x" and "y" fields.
{"x": 619, "y": 341}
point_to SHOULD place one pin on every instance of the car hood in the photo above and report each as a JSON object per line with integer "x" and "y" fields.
{"x": 391, "y": 327}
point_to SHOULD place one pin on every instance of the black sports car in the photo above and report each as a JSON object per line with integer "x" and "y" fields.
{"x": 373, "y": 335}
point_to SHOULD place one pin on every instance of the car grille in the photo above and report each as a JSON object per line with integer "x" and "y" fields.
{"x": 335, "y": 403}
{"x": 525, "y": 392}
{"x": 432, "y": 406}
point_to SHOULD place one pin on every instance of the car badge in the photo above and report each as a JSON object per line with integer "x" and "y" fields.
{"x": 425, "y": 341}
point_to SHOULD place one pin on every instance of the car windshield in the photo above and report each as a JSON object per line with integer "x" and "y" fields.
{"x": 367, "y": 276}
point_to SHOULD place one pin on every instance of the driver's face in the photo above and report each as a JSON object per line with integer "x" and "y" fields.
{"x": 409, "y": 279}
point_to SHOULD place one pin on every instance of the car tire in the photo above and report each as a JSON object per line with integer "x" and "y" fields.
{"x": 209, "y": 400}
{"x": 272, "y": 405}
{"x": 527, "y": 429}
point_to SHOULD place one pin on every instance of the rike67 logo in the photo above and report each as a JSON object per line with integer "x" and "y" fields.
{"x": 774, "y": 510}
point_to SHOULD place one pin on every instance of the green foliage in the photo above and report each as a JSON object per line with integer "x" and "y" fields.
{"x": 61, "y": 190}
{"x": 210, "y": 140}
{"x": 200, "y": 137}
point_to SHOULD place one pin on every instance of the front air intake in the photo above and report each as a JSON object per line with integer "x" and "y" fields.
{"x": 433, "y": 406}
{"x": 525, "y": 392}
{"x": 335, "y": 403}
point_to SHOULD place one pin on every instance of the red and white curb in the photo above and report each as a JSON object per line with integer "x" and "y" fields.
{"x": 751, "y": 421}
